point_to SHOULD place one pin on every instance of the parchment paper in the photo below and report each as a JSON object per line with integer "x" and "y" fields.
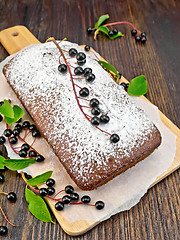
{"x": 119, "y": 194}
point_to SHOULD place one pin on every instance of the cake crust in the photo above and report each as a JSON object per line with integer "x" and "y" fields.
{"x": 87, "y": 154}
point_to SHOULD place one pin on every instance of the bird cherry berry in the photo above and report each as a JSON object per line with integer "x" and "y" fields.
{"x": 39, "y": 158}
{"x": 99, "y": 205}
{"x": 13, "y": 140}
{"x": 104, "y": 118}
{"x": 81, "y": 56}
{"x": 62, "y": 68}
{"x": 87, "y": 48}
{"x": 26, "y": 124}
{"x": 32, "y": 153}
{"x": 1, "y": 118}
{"x": 50, "y": 182}
{"x": 36, "y": 133}
{"x": 87, "y": 71}
{"x": 90, "y": 77}
{"x": 89, "y": 30}
{"x": 115, "y": 31}
{"x": 59, "y": 206}
{"x": 81, "y": 62}
{"x": 51, "y": 191}
{"x": 7, "y": 132}
{"x": 111, "y": 33}
{"x": 11, "y": 197}
{"x": 25, "y": 147}
{"x": 1, "y": 178}
{"x": 96, "y": 111}
{"x": 72, "y": 52}
{"x": 66, "y": 199}
{"x": 16, "y": 132}
{"x": 95, "y": 121}
{"x": 32, "y": 127}
{"x": 43, "y": 192}
{"x": 78, "y": 71}
{"x": 84, "y": 92}
{"x": 114, "y": 138}
{"x": 74, "y": 196}
{"x": 85, "y": 199}
{"x": 69, "y": 189}
{"x": 22, "y": 153}
{"x": 3, "y": 230}
{"x": 93, "y": 102}
{"x": 133, "y": 32}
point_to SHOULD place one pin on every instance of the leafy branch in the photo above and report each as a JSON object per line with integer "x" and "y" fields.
{"x": 137, "y": 86}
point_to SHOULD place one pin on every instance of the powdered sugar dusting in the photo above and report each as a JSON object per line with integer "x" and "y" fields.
{"x": 34, "y": 76}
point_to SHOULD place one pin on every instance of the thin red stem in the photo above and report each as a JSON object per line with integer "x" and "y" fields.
{"x": 86, "y": 107}
{"x": 6, "y": 217}
{"x": 122, "y": 22}
{"x": 59, "y": 193}
{"x": 77, "y": 86}
{"x": 84, "y": 99}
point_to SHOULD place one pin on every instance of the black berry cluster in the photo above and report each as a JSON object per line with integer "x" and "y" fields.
{"x": 50, "y": 190}
{"x": 72, "y": 197}
{"x": 124, "y": 85}
{"x": 113, "y": 32}
{"x": 13, "y": 136}
{"x": 139, "y": 38}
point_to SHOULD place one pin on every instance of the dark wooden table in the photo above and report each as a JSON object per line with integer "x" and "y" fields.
{"x": 156, "y": 216}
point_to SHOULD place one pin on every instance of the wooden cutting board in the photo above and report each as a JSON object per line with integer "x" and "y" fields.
{"x": 14, "y": 39}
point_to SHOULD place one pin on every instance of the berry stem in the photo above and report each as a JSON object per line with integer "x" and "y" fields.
{"x": 6, "y": 217}
{"x": 58, "y": 193}
{"x": 122, "y": 22}
{"x": 70, "y": 73}
{"x": 84, "y": 99}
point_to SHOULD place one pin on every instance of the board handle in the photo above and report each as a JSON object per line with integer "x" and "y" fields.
{"x": 16, "y": 38}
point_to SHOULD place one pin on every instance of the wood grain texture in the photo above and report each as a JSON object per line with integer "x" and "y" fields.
{"x": 156, "y": 216}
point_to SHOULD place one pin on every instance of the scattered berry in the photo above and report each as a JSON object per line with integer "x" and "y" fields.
{"x": 36, "y": 133}
{"x": 84, "y": 92}
{"x": 1, "y": 118}
{"x": 115, "y": 31}
{"x": 87, "y": 48}
{"x": 11, "y": 197}
{"x": 7, "y": 132}
{"x": 138, "y": 38}
{"x": 32, "y": 127}
{"x": 66, "y": 199}
{"x": 1, "y": 178}
{"x": 85, "y": 199}
{"x": 81, "y": 56}
{"x": 39, "y": 158}
{"x": 59, "y": 206}
{"x": 72, "y": 52}
{"x": 81, "y": 62}
{"x": 62, "y": 68}
{"x": 143, "y": 34}
{"x": 99, "y": 205}
{"x": 16, "y": 132}
{"x": 96, "y": 111}
{"x": 111, "y": 33}
{"x": 94, "y": 102}
{"x": 51, "y": 190}
{"x": 89, "y": 30}
{"x": 78, "y": 71}
{"x": 2, "y": 140}
{"x": 133, "y": 32}
{"x": 32, "y": 153}
{"x": 25, "y": 147}
{"x": 90, "y": 77}
{"x": 143, "y": 39}
{"x": 104, "y": 118}
{"x": 50, "y": 182}
{"x": 13, "y": 140}
{"x": 87, "y": 71}
{"x": 1, "y": 103}
{"x": 74, "y": 196}
{"x": 3, "y": 230}
{"x": 22, "y": 153}
{"x": 114, "y": 138}
{"x": 95, "y": 121}
{"x": 18, "y": 127}
{"x": 43, "y": 192}
{"x": 26, "y": 124}
{"x": 69, "y": 189}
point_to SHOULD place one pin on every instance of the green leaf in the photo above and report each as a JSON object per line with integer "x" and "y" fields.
{"x": 119, "y": 34}
{"x": 2, "y": 162}
{"x": 40, "y": 179}
{"x": 37, "y": 206}
{"x": 18, "y": 164}
{"x": 101, "y": 20}
{"x": 138, "y": 86}
{"x": 104, "y": 30}
{"x": 18, "y": 113}
{"x": 109, "y": 67}
{"x": 6, "y": 109}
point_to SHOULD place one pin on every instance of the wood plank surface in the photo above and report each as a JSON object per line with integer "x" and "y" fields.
{"x": 156, "y": 216}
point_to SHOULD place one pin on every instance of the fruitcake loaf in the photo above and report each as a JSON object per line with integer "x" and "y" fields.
{"x": 92, "y": 124}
